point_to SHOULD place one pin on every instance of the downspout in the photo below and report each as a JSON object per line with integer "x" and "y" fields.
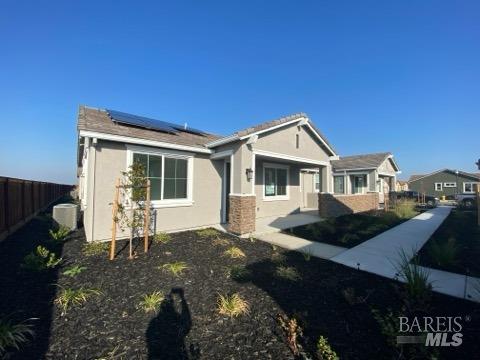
{"x": 94, "y": 168}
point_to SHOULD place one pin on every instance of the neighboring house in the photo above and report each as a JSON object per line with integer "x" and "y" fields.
{"x": 445, "y": 182}
{"x": 401, "y": 186}
{"x": 198, "y": 179}
{"x": 362, "y": 174}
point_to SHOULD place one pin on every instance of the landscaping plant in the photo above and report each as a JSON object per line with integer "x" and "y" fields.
{"x": 324, "y": 350}
{"x": 207, "y": 233}
{"x": 69, "y": 297}
{"x": 176, "y": 268}
{"x": 13, "y": 335}
{"x": 74, "y": 270}
{"x": 162, "y": 238}
{"x": 232, "y": 305}
{"x": 60, "y": 234}
{"x": 151, "y": 302}
{"x": 405, "y": 209}
{"x": 234, "y": 252}
{"x": 292, "y": 330}
{"x": 288, "y": 273}
{"x": 221, "y": 242}
{"x": 95, "y": 248}
{"x": 444, "y": 253}
{"x": 41, "y": 259}
{"x": 238, "y": 272}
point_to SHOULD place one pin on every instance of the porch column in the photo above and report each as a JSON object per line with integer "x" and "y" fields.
{"x": 242, "y": 209}
{"x": 326, "y": 174}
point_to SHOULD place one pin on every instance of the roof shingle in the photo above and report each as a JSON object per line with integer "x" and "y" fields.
{"x": 365, "y": 161}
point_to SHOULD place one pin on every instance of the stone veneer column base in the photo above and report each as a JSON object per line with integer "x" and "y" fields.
{"x": 241, "y": 215}
{"x": 330, "y": 205}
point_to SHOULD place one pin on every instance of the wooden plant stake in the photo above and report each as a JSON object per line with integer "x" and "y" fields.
{"x": 478, "y": 204}
{"x": 146, "y": 229}
{"x": 114, "y": 219}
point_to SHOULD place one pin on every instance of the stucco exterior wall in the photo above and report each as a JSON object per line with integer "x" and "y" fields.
{"x": 267, "y": 207}
{"x": 427, "y": 184}
{"x": 111, "y": 160}
{"x": 283, "y": 141}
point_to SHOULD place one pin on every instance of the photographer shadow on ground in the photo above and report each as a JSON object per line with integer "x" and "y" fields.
{"x": 167, "y": 331}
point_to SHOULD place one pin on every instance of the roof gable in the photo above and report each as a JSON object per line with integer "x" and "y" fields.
{"x": 364, "y": 161}
{"x": 472, "y": 176}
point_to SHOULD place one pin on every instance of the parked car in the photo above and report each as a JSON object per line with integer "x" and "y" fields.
{"x": 430, "y": 201}
{"x": 466, "y": 200}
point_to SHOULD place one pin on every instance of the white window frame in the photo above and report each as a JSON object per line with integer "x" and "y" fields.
{"x": 472, "y": 184}
{"x": 436, "y": 186}
{"x": 450, "y": 184}
{"x": 315, "y": 175}
{"x": 276, "y": 197}
{"x": 188, "y": 201}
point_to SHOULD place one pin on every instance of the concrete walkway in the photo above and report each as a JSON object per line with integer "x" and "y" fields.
{"x": 289, "y": 242}
{"x": 381, "y": 255}
{"x": 273, "y": 224}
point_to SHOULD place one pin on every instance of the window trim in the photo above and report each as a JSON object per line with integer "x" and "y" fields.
{"x": 276, "y": 197}
{"x": 188, "y": 201}
{"x": 450, "y": 184}
{"x": 315, "y": 175}
{"x": 471, "y": 183}
{"x": 436, "y": 185}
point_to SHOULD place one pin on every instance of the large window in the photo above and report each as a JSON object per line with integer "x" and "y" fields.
{"x": 438, "y": 187}
{"x": 450, "y": 184}
{"x": 168, "y": 175}
{"x": 276, "y": 182}
{"x": 339, "y": 184}
{"x": 470, "y": 187}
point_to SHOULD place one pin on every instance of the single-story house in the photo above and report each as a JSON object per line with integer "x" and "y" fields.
{"x": 401, "y": 185}
{"x": 199, "y": 179}
{"x": 445, "y": 182}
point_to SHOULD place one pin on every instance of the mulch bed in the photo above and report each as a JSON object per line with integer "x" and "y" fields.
{"x": 460, "y": 225}
{"x": 348, "y": 230}
{"x": 111, "y": 326}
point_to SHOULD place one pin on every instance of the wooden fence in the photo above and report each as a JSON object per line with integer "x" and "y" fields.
{"x": 21, "y": 199}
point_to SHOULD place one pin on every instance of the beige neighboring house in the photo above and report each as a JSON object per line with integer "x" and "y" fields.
{"x": 401, "y": 186}
{"x": 198, "y": 179}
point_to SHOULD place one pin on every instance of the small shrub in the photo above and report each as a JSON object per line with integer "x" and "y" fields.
{"x": 221, "y": 242}
{"x": 234, "y": 252}
{"x": 176, "y": 268}
{"x": 232, "y": 305}
{"x": 307, "y": 255}
{"x": 349, "y": 238}
{"x": 278, "y": 258}
{"x": 292, "y": 330}
{"x": 60, "y": 234}
{"x": 288, "y": 273}
{"x": 95, "y": 248}
{"x": 162, "y": 238}
{"x": 444, "y": 254}
{"x": 13, "y": 335}
{"x": 69, "y": 297}
{"x": 73, "y": 271}
{"x": 238, "y": 272}
{"x": 417, "y": 285}
{"x": 324, "y": 350}
{"x": 405, "y": 209}
{"x": 207, "y": 233}
{"x": 151, "y": 302}
{"x": 41, "y": 259}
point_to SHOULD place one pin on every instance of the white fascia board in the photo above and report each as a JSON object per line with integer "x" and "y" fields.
{"x": 394, "y": 163}
{"x": 356, "y": 169}
{"x": 289, "y": 157}
{"x": 273, "y": 128}
{"x": 221, "y": 154}
{"x": 321, "y": 139}
{"x": 132, "y": 140}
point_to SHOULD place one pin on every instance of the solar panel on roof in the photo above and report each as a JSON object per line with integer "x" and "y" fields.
{"x": 149, "y": 123}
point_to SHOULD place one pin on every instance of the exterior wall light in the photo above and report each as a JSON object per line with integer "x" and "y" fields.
{"x": 249, "y": 173}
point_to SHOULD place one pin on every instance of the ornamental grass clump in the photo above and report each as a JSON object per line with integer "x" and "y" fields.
{"x": 444, "y": 253}
{"x": 176, "y": 268}
{"x": 162, "y": 238}
{"x": 13, "y": 336}
{"x": 288, "y": 273}
{"x": 324, "y": 350}
{"x": 151, "y": 302}
{"x": 207, "y": 233}
{"x": 95, "y": 248}
{"x": 232, "y": 305}
{"x": 69, "y": 297}
{"x": 405, "y": 209}
{"x": 238, "y": 272}
{"x": 234, "y": 252}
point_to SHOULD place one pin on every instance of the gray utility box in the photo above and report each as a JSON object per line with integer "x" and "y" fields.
{"x": 66, "y": 215}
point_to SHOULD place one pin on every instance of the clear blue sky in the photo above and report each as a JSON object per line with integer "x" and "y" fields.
{"x": 400, "y": 76}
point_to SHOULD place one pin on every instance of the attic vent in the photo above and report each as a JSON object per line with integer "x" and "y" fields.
{"x": 297, "y": 141}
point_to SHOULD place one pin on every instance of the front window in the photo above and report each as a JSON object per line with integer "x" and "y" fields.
{"x": 470, "y": 187}
{"x": 450, "y": 184}
{"x": 438, "y": 186}
{"x": 316, "y": 179}
{"x": 358, "y": 184}
{"x": 339, "y": 185}
{"x": 275, "y": 182}
{"x": 168, "y": 176}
